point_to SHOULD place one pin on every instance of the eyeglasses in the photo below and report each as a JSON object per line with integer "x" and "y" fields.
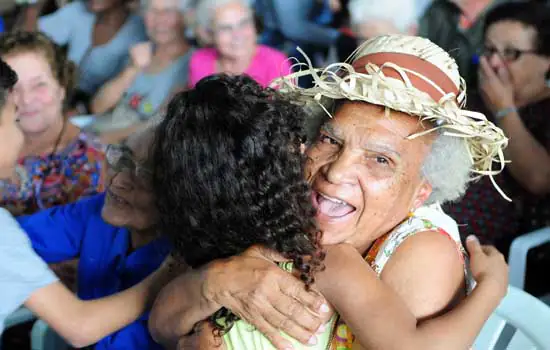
{"x": 509, "y": 54}
{"x": 119, "y": 158}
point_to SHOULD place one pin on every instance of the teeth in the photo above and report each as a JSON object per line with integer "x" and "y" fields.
{"x": 335, "y": 200}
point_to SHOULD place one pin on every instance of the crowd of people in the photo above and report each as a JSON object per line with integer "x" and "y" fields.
{"x": 177, "y": 171}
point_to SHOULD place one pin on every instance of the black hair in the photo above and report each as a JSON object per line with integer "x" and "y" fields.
{"x": 535, "y": 14}
{"x": 8, "y": 78}
{"x": 228, "y": 174}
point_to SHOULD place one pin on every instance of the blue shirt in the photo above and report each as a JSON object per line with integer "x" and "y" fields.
{"x": 98, "y": 64}
{"x": 105, "y": 268}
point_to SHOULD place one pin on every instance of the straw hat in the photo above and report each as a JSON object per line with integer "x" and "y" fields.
{"x": 411, "y": 75}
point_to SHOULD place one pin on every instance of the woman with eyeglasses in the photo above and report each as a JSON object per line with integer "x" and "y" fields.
{"x": 112, "y": 233}
{"x": 514, "y": 84}
{"x": 229, "y": 26}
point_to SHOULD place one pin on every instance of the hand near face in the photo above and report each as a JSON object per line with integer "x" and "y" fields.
{"x": 496, "y": 85}
{"x": 272, "y": 300}
{"x": 488, "y": 265}
{"x": 142, "y": 54}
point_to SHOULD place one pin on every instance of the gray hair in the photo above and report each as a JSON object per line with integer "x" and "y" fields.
{"x": 205, "y": 10}
{"x": 447, "y": 168}
{"x": 183, "y": 5}
{"x": 402, "y": 13}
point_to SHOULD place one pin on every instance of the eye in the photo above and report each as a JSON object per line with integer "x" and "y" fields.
{"x": 382, "y": 160}
{"x": 327, "y": 139}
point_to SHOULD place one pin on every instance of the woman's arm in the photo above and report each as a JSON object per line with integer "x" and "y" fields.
{"x": 108, "y": 96}
{"x": 83, "y": 323}
{"x": 110, "y": 93}
{"x": 530, "y": 160}
{"x": 252, "y": 286}
{"x": 369, "y": 305}
{"x": 119, "y": 135}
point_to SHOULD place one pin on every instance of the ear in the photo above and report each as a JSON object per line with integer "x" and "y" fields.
{"x": 422, "y": 194}
{"x": 63, "y": 94}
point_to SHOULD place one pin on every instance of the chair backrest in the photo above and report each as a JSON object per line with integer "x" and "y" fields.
{"x": 521, "y": 322}
{"x": 43, "y": 337}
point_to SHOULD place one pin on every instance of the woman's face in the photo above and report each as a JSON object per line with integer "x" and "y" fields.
{"x": 233, "y": 30}
{"x": 365, "y": 173}
{"x": 98, "y": 6}
{"x": 164, "y": 21}
{"x": 512, "y": 44}
{"x": 37, "y": 94}
{"x": 129, "y": 200}
{"x": 10, "y": 134}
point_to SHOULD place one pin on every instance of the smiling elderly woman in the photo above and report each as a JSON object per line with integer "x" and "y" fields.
{"x": 397, "y": 145}
{"x": 229, "y": 26}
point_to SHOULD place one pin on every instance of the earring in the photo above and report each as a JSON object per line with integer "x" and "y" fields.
{"x": 547, "y": 78}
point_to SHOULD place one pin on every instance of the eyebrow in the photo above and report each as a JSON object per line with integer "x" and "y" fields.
{"x": 379, "y": 147}
{"x": 368, "y": 146}
{"x": 330, "y": 129}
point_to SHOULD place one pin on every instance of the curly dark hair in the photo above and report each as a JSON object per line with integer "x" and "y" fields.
{"x": 228, "y": 174}
{"x": 8, "y": 78}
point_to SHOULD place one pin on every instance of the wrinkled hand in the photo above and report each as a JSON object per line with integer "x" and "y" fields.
{"x": 272, "y": 300}
{"x": 142, "y": 54}
{"x": 496, "y": 88}
{"x": 488, "y": 265}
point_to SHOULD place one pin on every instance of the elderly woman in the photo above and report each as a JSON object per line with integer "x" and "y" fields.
{"x": 59, "y": 163}
{"x": 112, "y": 233}
{"x": 377, "y": 173}
{"x": 27, "y": 279}
{"x": 230, "y": 26}
{"x": 98, "y": 34}
{"x": 156, "y": 69}
{"x": 514, "y": 78}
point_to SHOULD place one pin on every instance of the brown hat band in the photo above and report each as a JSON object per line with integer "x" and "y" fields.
{"x": 411, "y": 63}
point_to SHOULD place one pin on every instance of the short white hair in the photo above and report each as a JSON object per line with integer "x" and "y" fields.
{"x": 183, "y": 5}
{"x": 205, "y": 10}
{"x": 402, "y": 13}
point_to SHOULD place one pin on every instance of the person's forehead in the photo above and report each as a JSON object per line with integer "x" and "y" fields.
{"x": 360, "y": 118}
{"x": 374, "y": 127}
{"x": 163, "y": 4}
{"x": 228, "y": 12}
{"x": 511, "y": 32}
{"x": 140, "y": 142}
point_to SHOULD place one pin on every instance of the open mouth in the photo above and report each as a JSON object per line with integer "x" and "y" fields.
{"x": 115, "y": 199}
{"x": 331, "y": 207}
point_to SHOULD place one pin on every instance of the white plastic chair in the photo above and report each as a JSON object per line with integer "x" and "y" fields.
{"x": 521, "y": 322}
{"x": 19, "y": 316}
{"x": 43, "y": 337}
{"x": 517, "y": 258}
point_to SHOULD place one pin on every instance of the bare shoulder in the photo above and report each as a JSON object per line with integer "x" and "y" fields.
{"x": 427, "y": 272}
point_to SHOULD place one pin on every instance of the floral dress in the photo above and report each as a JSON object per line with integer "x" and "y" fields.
{"x": 427, "y": 218}
{"x": 58, "y": 178}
